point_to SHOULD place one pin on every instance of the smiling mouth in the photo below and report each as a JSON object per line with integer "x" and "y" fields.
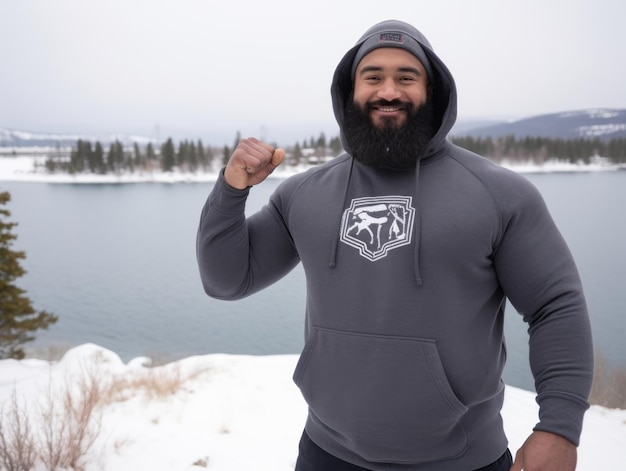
{"x": 389, "y": 109}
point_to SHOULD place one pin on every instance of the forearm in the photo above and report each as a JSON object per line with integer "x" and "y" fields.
{"x": 238, "y": 256}
{"x": 222, "y": 245}
{"x": 561, "y": 359}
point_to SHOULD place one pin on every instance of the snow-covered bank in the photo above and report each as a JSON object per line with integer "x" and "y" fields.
{"x": 237, "y": 412}
{"x": 22, "y": 169}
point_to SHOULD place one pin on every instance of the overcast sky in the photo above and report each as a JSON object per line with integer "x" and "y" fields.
{"x": 207, "y": 69}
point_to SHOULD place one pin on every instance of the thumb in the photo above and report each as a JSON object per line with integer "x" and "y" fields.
{"x": 277, "y": 157}
{"x": 518, "y": 463}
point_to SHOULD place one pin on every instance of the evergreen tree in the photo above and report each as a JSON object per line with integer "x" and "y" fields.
{"x": 297, "y": 156}
{"x": 75, "y": 158}
{"x": 168, "y": 156}
{"x": 151, "y": 157}
{"x": 321, "y": 141}
{"x": 183, "y": 158}
{"x": 115, "y": 157}
{"x": 98, "y": 159}
{"x": 336, "y": 146}
{"x": 226, "y": 155}
{"x": 201, "y": 155}
{"x": 18, "y": 319}
{"x": 193, "y": 157}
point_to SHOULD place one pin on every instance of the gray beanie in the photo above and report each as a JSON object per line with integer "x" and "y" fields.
{"x": 392, "y": 37}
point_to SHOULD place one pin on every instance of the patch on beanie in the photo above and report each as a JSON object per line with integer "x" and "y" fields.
{"x": 391, "y": 38}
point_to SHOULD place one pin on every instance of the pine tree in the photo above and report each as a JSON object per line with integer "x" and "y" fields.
{"x": 98, "y": 159}
{"x": 115, "y": 157}
{"x": 225, "y": 155}
{"x": 201, "y": 155}
{"x": 18, "y": 319}
{"x": 151, "y": 158}
{"x": 168, "y": 156}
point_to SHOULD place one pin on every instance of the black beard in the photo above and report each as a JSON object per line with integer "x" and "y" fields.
{"x": 392, "y": 146}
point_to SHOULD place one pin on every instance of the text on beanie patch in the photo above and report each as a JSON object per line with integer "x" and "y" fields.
{"x": 391, "y": 37}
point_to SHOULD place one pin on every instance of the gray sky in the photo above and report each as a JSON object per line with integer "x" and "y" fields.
{"x": 207, "y": 69}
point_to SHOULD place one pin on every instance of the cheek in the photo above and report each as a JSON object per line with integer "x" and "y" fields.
{"x": 359, "y": 97}
{"x": 419, "y": 97}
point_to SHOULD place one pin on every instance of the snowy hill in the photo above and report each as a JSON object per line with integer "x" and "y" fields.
{"x": 221, "y": 412}
{"x": 17, "y": 138}
{"x": 602, "y": 123}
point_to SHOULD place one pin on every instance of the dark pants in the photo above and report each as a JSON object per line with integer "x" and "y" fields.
{"x": 313, "y": 458}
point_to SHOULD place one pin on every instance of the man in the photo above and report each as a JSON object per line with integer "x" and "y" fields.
{"x": 410, "y": 246}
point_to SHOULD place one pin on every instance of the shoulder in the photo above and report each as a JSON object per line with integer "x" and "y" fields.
{"x": 503, "y": 184}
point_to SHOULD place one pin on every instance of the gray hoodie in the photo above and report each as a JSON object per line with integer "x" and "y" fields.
{"x": 407, "y": 274}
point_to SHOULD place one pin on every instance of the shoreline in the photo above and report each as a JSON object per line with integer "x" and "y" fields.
{"x": 21, "y": 169}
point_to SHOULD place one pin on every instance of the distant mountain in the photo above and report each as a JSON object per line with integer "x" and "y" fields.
{"x": 463, "y": 126}
{"x": 16, "y": 138}
{"x": 604, "y": 124}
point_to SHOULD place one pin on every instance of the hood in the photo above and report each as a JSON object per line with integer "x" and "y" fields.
{"x": 443, "y": 96}
{"x": 444, "y": 89}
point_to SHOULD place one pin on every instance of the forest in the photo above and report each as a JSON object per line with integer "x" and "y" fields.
{"x": 187, "y": 156}
{"x": 195, "y": 157}
{"x": 539, "y": 150}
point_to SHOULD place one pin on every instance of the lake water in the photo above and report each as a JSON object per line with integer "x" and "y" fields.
{"x": 117, "y": 264}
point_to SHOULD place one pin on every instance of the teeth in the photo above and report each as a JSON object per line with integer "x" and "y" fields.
{"x": 388, "y": 109}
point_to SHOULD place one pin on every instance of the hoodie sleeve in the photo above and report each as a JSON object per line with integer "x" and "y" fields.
{"x": 539, "y": 276}
{"x": 239, "y": 256}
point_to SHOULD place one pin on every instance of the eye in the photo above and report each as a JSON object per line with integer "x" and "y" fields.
{"x": 371, "y": 78}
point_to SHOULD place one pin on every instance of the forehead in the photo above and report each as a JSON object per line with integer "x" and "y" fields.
{"x": 390, "y": 59}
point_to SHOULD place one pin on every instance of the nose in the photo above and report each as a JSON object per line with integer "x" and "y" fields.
{"x": 389, "y": 90}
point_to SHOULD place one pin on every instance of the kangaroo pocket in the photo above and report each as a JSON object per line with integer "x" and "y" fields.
{"x": 385, "y": 398}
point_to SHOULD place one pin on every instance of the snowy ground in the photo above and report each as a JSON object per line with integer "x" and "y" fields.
{"x": 21, "y": 168}
{"x": 234, "y": 413}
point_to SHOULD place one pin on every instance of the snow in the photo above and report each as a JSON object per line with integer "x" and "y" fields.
{"x": 22, "y": 169}
{"x": 12, "y": 135}
{"x": 599, "y": 113}
{"x": 600, "y": 129}
{"x": 232, "y": 411}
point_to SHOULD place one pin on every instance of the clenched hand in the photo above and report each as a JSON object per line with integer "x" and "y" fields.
{"x": 544, "y": 451}
{"x": 251, "y": 163}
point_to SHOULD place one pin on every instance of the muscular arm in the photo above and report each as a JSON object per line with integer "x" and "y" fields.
{"x": 538, "y": 274}
{"x": 238, "y": 256}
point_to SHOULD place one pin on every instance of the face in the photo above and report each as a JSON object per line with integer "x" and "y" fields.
{"x": 390, "y": 84}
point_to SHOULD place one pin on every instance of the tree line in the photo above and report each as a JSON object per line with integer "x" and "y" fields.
{"x": 194, "y": 157}
{"x": 541, "y": 149}
{"x": 188, "y": 156}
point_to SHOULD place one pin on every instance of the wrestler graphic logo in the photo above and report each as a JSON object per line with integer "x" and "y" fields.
{"x": 377, "y": 225}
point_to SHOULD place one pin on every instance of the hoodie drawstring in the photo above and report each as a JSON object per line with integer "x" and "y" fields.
{"x": 417, "y": 228}
{"x": 333, "y": 250}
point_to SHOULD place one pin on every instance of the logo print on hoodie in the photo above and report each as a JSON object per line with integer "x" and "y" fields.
{"x": 376, "y": 225}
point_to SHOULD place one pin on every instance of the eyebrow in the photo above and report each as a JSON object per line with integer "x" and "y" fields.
{"x": 375, "y": 68}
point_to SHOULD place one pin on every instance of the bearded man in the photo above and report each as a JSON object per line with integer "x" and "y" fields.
{"x": 410, "y": 246}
